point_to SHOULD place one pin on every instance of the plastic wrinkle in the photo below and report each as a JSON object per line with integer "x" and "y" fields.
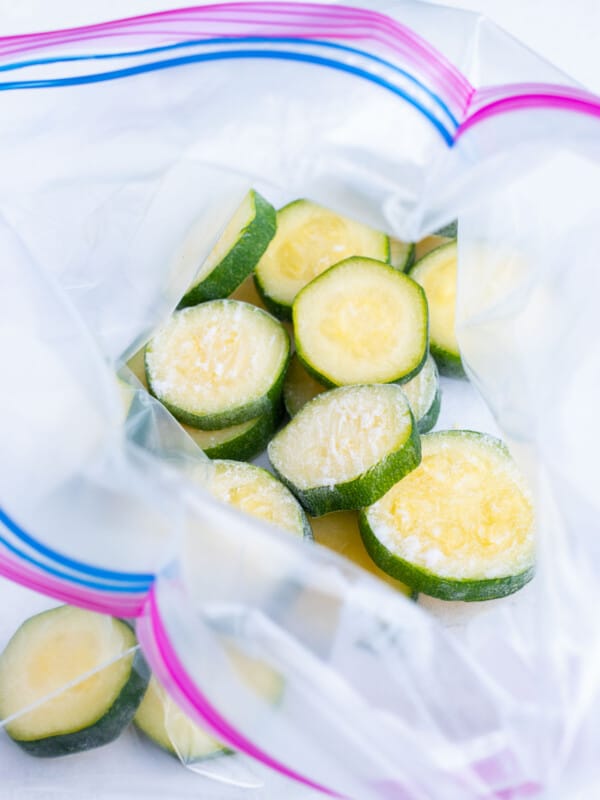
{"x": 155, "y": 642}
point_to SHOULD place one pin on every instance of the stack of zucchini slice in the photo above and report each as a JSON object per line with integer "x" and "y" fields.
{"x": 372, "y": 324}
{"x": 445, "y": 513}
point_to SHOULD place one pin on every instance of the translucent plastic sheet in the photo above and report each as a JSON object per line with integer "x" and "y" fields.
{"x": 128, "y": 147}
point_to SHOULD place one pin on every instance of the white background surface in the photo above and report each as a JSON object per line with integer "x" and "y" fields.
{"x": 566, "y": 32}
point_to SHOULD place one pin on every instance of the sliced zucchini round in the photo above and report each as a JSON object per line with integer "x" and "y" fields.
{"x": 236, "y": 252}
{"x": 49, "y": 651}
{"x": 218, "y": 364}
{"x": 309, "y": 240}
{"x": 339, "y": 532}
{"x": 436, "y": 273}
{"x": 423, "y": 392}
{"x": 402, "y": 254}
{"x": 255, "y": 491}
{"x": 347, "y": 447}
{"x": 428, "y": 244}
{"x": 424, "y": 396}
{"x": 362, "y": 321}
{"x": 299, "y": 387}
{"x": 241, "y": 442}
{"x": 161, "y": 720}
{"x": 460, "y": 526}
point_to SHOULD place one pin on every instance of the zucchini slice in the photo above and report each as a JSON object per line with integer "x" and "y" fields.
{"x": 161, "y": 720}
{"x": 460, "y": 526}
{"x": 402, "y": 254}
{"x": 436, "y": 273}
{"x": 255, "y": 491}
{"x": 423, "y": 392}
{"x": 362, "y": 321}
{"x": 49, "y": 651}
{"x": 218, "y": 364}
{"x": 299, "y": 387}
{"x": 309, "y": 240}
{"x": 236, "y": 253}
{"x": 241, "y": 442}
{"x": 347, "y": 447}
{"x": 428, "y": 244}
{"x": 339, "y": 532}
{"x": 424, "y": 396}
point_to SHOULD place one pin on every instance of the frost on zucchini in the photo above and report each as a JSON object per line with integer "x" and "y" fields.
{"x": 54, "y": 649}
{"x": 436, "y": 273}
{"x": 218, "y": 364}
{"x": 241, "y": 442}
{"x": 362, "y": 321}
{"x": 423, "y": 392}
{"x": 236, "y": 252}
{"x": 255, "y": 491}
{"x": 347, "y": 447}
{"x": 460, "y": 526}
{"x": 309, "y": 240}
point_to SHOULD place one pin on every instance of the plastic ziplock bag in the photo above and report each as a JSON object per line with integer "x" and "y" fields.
{"x": 128, "y": 146}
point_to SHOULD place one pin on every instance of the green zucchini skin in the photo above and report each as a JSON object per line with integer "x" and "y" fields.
{"x": 366, "y": 488}
{"x": 406, "y": 263}
{"x": 429, "y": 419}
{"x": 279, "y": 310}
{"x": 449, "y": 364}
{"x": 421, "y": 580}
{"x": 240, "y": 261}
{"x": 249, "y": 444}
{"x": 329, "y": 384}
{"x": 108, "y": 727}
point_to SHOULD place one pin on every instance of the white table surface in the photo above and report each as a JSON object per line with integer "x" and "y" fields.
{"x": 565, "y": 33}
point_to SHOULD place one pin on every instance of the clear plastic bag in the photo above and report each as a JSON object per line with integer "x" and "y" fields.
{"x": 129, "y": 146}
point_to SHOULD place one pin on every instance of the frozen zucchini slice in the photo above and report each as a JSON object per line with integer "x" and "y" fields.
{"x": 255, "y": 491}
{"x": 423, "y": 392}
{"x": 309, "y": 240}
{"x": 236, "y": 252}
{"x": 218, "y": 364}
{"x": 402, "y": 254}
{"x": 347, "y": 447}
{"x": 241, "y": 442}
{"x": 460, "y": 526}
{"x": 429, "y": 243}
{"x": 161, "y": 720}
{"x": 299, "y": 387}
{"x": 362, "y": 321}
{"x": 436, "y": 273}
{"x": 49, "y": 651}
{"x": 339, "y": 532}
{"x": 424, "y": 396}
